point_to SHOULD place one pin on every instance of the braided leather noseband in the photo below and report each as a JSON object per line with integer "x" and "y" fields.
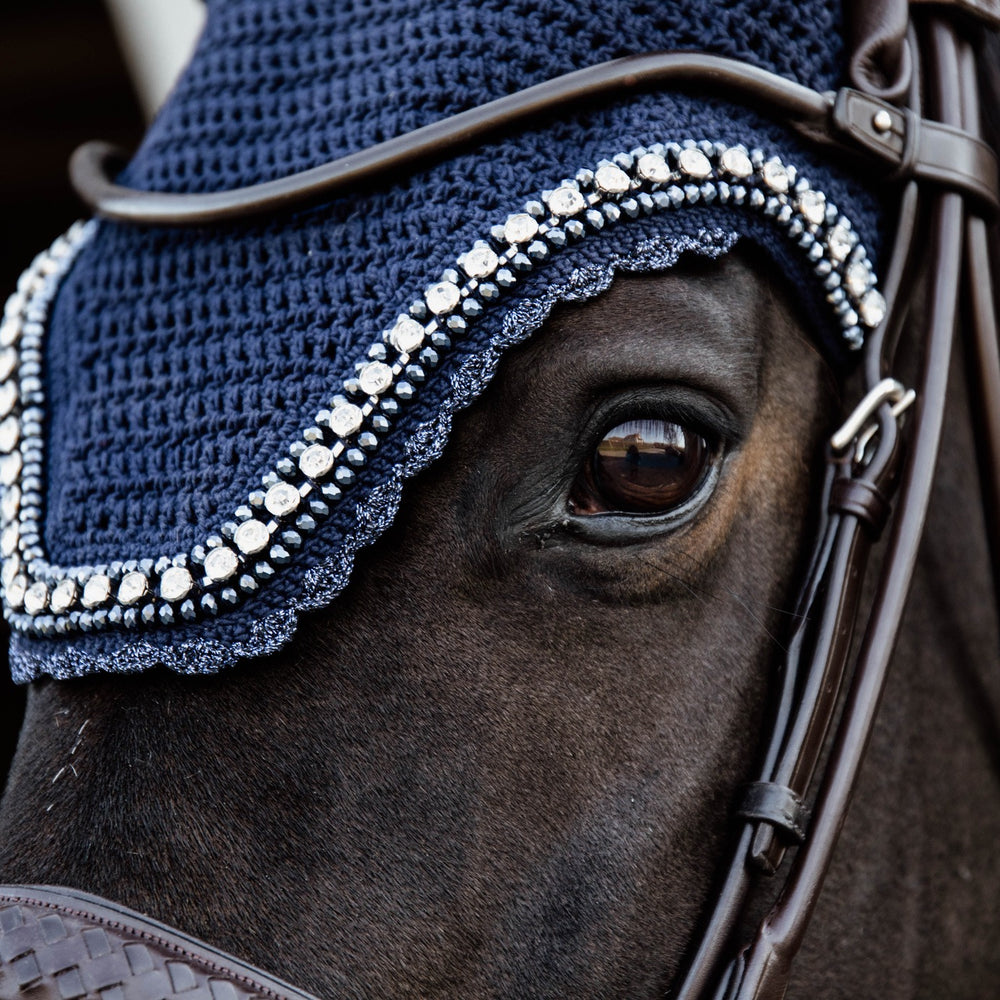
{"x": 949, "y": 180}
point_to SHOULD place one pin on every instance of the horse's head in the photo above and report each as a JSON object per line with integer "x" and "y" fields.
{"x": 572, "y": 453}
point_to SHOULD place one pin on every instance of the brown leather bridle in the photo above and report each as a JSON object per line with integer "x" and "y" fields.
{"x": 929, "y": 145}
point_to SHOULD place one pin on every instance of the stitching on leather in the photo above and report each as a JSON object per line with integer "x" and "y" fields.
{"x": 202, "y": 960}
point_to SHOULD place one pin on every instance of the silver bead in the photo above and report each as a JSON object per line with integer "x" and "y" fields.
{"x": 407, "y": 335}
{"x": 694, "y": 163}
{"x": 96, "y": 591}
{"x": 63, "y": 595}
{"x": 375, "y": 378}
{"x": 133, "y": 588}
{"x": 611, "y": 179}
{"x": 281, "y": 499}
{"x": 736, "y": 163}
{"x": 36, "y": 598}
{"x": 252, "y": 537}
{"x": 221, "y": 563}
{"x": 316, "y": 461}
{"x": 872, "y": 308}
{"x": 175, "y": 583}
{"x": 812, "y": 204}
{"x": 520, "y": 228}
{"x": 442, "y": 297}
{"x": 775, "y": 176}
{"x": 479, "y": 262}
{"x": 346, "y": 419}
{"x": 566, "y": 201}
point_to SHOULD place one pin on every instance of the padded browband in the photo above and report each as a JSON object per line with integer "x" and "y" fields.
{"x": 901, "y": 144}
{"x": 60, "y": 944}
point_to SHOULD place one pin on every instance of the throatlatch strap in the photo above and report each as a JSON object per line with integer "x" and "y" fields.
{"x": 60, "y": 944}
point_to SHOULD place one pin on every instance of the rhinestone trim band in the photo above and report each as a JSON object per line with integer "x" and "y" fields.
{"x": 321, "y": 465}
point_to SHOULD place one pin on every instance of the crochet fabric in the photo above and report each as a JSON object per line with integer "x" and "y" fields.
{"x": 181, "y": 362}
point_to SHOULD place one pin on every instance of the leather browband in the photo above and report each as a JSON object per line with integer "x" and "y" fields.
{"x": 849, "y": 122}
{"x": 61, "y": 944}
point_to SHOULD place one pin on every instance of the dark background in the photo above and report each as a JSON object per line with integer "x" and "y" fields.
{"x": 62, "y": 82}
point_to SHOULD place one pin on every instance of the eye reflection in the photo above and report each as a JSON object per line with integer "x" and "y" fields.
{"x": 641, "y": 467}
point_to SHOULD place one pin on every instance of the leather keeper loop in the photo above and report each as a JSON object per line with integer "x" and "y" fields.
{"x": 862, "y": 500}
{"x": 776, "y": 804}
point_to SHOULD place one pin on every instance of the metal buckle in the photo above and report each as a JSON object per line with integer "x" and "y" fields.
{"x": 858, "y": 429}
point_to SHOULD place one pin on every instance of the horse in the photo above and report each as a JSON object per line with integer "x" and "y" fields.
{"x": 502, "y": 762}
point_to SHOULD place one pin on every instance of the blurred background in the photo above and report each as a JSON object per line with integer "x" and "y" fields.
{"x": 65, "y": 78}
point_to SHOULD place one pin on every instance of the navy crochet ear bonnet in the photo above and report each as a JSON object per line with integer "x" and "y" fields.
{"x": 201, "y": 427}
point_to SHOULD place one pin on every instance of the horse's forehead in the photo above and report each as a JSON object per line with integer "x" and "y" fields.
{"x": 230, "y": 413}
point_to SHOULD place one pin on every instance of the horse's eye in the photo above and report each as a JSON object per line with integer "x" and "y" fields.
{"x": 642, "y": 467}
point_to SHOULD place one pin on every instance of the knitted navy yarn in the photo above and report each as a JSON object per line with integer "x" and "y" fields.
{"x": 182, "y": 362}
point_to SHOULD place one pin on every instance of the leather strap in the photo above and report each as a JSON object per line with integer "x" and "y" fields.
{"x": 776, "y": 804}
{"x": 920, "y": 148}
{"x": 987, "y": 11}
{"x": 61, "y": 944}
{"x": 851, "y": 124}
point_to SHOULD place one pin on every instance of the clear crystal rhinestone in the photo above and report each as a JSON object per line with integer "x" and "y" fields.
{"x": 812, "y": 204}
{"x": 175, "y": 583}
{"x": 694, "y": 163}
{"x": 10, "y": 330}
{"x": 736, "y": 163}
{"x": 872, "y": 308}
{"x": 133, "y": 588}
{"x": 63, "y": 596}
{"x": 221, "y": 563}
{"x": 520, "y": 228}
{"x": 480, "y": 262}
{"x": 566, "y": 201}
{"x": 652, "y": 167}
{"x": 775, "y": 176}
{"x": 8, "y": 397}
{"x": 10, "y": 468}
{"x": 10, "y": 433}
{"x": 839, "y": 242}
{"x": 346, "y": 420}
{"x": 316, "y": 461}
{"x": 407, "y": 335}
{"x": 8, "y": 362}
{"x": 375, "y": 378}
{"x": 96, "y": 591}
{"x": 611, "y": 179}
{"x": 442, "y": 297}
{"x": 15, "y": 592}
{"x": 8, "y": 540}
{"x": 281, "y": 499}
{"x": 857, "y": 278}
{"x": 252, "y": 537}
{"x": 10, "y": 504}
{"x": 36, "y": 598}
{"x": 11, "y": 568}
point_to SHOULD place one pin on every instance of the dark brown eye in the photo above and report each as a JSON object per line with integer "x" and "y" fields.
{"x": 642, "y": 467}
